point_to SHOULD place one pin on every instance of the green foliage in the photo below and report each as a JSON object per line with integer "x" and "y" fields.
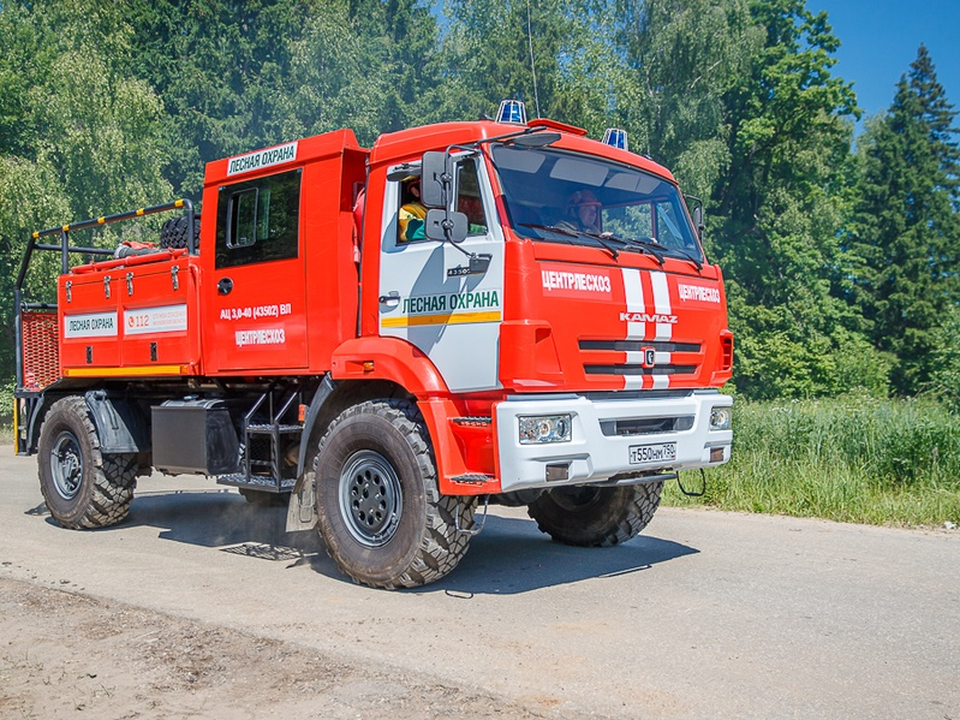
{"x": 682, "y": 59}
{"x": 78, "y": 136}
{"x": 907, "y": 227}
{"x": 779, "y": 207}
{"x": 945, "y": 377}
{"x": 851, "y": 459}
{"x": 486, "y": 53}
{"x": 839, "y": 268}
{"x": 6, "y": 402}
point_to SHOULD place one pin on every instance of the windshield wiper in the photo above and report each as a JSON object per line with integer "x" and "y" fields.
{"x": 686, "y": 256}
{"x": 614, "y": 253}
{"x": 648, "y": 246}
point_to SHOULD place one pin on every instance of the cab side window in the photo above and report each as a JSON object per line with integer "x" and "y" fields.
{"x": 258, "y": 220}
{"x": 469, "y": 201}
{"x": 412, "y": 212}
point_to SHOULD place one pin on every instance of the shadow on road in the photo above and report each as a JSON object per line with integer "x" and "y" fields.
{"x": 510, "y": 556}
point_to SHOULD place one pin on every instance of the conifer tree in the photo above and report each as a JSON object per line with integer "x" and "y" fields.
{"x": 908, "y": 227}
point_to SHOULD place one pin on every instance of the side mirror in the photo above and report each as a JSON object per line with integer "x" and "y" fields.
{"x": 442, "y": 225}
{"x": 436, "y": 179}
{"x": 696, "y": 214}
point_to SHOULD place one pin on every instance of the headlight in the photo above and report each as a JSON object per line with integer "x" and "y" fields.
{"x": 545, "y": 429}
{"x": 720, "y": 418}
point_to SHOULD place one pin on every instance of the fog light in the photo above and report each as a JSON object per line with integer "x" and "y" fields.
{"x": 545, "y": 429}
{"x": 720, "y": 418}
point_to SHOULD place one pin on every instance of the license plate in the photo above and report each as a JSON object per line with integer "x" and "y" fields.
{"x": 661, "y": 452}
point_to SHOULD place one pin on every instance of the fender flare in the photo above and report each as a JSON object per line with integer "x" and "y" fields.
{"x": 121, "y": 424}
{"x": 313, "y": 412}
{"x": 378, "y": 358}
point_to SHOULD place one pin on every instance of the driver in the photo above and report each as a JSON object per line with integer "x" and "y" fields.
{"x": 582, "y": 213}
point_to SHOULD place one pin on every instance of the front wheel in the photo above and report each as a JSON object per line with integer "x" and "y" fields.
{"x": 380, "y": 513}
{"x": 82, "y": 487}
{"x": 596, "y": 516}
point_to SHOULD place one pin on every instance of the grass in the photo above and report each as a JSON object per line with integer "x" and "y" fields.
{"x": 854, "y": 459}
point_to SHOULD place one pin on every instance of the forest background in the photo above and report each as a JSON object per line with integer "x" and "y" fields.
{"x": 841, "y": 258}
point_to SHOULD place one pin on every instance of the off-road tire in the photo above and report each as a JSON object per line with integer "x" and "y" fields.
{"x": 381, "y": 516}
{"x": 82, "y": 487}
{"x": 175, "y": 232}
{"x": 596, "y": 516}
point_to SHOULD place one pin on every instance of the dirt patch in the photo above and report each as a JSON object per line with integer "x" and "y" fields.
{"x": 68, "y": 655}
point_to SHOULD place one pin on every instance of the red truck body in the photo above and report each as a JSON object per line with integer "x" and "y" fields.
{"x": 533, "y": 359}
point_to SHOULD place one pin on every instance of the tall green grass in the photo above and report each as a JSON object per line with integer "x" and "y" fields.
{"x": 853, "y": 459}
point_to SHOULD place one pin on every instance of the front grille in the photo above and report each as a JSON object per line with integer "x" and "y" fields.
{"x": 639, "y": 345}
{"x": 671, "y": 358}
{"x": 645, "y": 426}
{"x": 633, "y": 370}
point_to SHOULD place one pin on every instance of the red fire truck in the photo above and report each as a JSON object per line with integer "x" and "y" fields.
{"x": 492, "y": 312}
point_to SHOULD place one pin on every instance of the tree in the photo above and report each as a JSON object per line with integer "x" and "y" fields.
{"x": 681, "y": 58}
{"x": 78, "y": 136}
{"x": 538, "y": 52}
{"x": 780, "y": 204}
{"x": 907, "y": 224}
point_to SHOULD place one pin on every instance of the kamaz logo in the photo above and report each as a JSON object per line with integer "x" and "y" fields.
{"x": 646, "y": 318}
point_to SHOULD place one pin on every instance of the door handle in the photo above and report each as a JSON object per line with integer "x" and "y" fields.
{"x": 392, "y": 299}
{"x": 225, "y": 286}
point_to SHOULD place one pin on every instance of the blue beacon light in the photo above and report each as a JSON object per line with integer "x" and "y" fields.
{"x": 512, "y": 111}
{"x": 615, "y": 138}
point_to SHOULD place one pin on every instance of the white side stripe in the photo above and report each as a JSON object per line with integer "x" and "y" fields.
{"x": 633, "y": 290}
{"x": 661, "y": 302}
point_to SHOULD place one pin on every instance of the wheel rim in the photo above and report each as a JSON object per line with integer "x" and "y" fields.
{"x": 370, "y": 498}
{"x": 66, "y": 465}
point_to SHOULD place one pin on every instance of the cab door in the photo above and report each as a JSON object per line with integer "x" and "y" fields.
{"x": 431, "y": 294}
{"x": 259, "y": 300}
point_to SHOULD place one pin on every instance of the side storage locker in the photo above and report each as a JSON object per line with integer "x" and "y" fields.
{"x": 89, "y": 330}
{"x": 159, "y": 317}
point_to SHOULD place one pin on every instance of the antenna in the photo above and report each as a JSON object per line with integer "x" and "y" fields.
{"x": 533, "y": 67}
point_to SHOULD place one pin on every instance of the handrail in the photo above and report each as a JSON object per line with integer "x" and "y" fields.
{"x": 64, "y": 246}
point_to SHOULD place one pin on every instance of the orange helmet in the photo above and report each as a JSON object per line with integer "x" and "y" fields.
{"x": 580, "y": 198}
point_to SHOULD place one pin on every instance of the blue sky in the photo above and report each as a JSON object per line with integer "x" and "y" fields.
{"x": 879, "y": 40}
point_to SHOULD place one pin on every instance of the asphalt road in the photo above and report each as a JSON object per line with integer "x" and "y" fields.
{"x": 706, "y": 614}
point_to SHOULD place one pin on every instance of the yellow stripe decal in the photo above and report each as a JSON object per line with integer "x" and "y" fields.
{"x": 124, "y": 372}
{"x": 16, "y": 426}
{"x": 459, "y": 318}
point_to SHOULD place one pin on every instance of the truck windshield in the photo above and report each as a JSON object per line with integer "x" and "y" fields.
{"x": 557, "y": 196}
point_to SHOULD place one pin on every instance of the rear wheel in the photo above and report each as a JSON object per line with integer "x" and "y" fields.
{"x": 82, "y": 487}
{"x": 380, "y": 513}
{"x": 596, "y": 516}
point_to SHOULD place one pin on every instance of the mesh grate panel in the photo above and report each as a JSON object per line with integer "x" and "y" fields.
{"x": 41, "y": 354}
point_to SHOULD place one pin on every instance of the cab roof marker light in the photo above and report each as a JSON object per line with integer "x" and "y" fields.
{"x": 615, "y": 137}
{"x": 513, "y": 112}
